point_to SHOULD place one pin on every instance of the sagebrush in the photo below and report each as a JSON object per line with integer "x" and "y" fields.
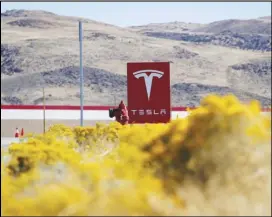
{"x": 216, "y": 161}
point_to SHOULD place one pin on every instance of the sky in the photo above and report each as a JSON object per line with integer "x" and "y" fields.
{"x": 141, "y": 13}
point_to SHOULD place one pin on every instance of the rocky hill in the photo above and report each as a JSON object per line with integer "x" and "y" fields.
{"x": 260, "y": 26}
{"x": 252, "y": 34}
{"x": 225, "y": 38}
{"x": 40, "y": 49}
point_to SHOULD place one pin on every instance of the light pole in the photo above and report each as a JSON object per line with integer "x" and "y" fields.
{"x": 81, "y": 74}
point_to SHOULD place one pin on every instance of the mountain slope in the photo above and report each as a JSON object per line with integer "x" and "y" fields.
{"x": 254, "y": 34}
{"x": 41, "y": 49}
{"x": 253, "y": 26}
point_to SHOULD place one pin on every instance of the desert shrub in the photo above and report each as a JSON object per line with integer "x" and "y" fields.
{"x": 221, "y": 150}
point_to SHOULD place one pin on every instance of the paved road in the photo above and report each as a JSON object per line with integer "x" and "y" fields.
{"x": 8, "y": 127}
{"x": 6, "y": 141}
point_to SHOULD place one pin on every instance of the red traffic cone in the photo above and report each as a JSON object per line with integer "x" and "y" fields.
{"x": 16, "y": 133}
{"x": 22, "y": 132}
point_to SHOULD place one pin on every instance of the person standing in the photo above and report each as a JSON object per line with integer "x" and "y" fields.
{"x": 121, "y": 114}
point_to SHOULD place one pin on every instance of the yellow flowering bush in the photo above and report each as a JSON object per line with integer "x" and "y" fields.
{"x": 220, "y": 152}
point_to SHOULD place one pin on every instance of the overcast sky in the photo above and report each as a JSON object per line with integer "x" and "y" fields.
{"x": 140, "y": 13}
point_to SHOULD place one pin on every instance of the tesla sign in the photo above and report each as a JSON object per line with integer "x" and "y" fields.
{"x": 149, "y": 97}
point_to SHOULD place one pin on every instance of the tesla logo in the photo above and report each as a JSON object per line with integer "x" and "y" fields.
{"x": 148, "y": 78}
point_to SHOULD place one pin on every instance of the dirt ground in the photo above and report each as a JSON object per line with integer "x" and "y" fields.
{"x": 8, "y": 127}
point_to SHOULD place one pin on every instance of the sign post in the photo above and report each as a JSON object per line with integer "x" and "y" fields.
{"x": 43, "y": 111}
{"x": 148, "y": 91}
